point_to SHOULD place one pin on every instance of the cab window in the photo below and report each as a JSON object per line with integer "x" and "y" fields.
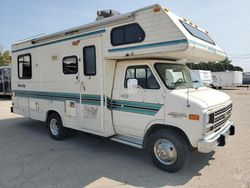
{"x": 144, "y": 76}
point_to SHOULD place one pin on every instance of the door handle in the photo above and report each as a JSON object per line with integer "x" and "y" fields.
{"x": 124, "y": 95}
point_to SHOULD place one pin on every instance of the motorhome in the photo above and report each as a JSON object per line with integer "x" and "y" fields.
{"x": 5, "y": 81}
{"x": 204, "y": 76}
{"x": 124, "y": 77}
{"x": 226, "y": 79}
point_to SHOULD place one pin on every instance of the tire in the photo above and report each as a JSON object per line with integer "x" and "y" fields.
{"x": 212, "y": 86}
{"x": 168, "y": 141}
{"x": 55, "y": 127}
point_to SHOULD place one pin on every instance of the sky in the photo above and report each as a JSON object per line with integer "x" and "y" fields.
{"x": 228, "y": 21}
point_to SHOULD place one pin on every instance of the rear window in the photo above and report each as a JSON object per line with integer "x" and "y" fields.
{"x": 197, "y": 33}
{"x": 127, "y": 34}
{"x": 24, "y": 66}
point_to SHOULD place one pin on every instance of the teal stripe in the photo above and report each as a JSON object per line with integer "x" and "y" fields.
{"x": 88, "y": 96}
{"x": 138, "y": 104}
{"x": 137, "y": 111}
{"x": 63, "y": 40}
{"x": 167, "y": 43}
{"x": 209, "y": 48}
{"x": 95, "y": 103}
{"x": 152, "y": 45}
{"x": 88, "y": 99}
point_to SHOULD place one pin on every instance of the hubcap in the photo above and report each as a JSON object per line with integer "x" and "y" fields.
{"x": 54, "y": 127}
{"x": 165, "y": 151}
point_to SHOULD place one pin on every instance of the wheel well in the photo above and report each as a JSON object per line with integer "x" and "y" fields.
{"x": 157, "y": 127}
{"x": 49, "y": 113}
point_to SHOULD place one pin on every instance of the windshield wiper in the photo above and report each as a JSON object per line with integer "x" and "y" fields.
{"x": 196, "y": 81}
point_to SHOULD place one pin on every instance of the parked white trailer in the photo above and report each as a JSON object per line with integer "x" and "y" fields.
{"x": 124, "y": 77}
{"x": 5, "y": 80}
{"x": 204, "y": 76}
{"x": 227, "y": 79}
{"x": 246, "y": 78}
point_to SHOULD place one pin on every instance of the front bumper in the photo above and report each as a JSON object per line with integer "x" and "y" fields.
{"x": 216, "y": 139}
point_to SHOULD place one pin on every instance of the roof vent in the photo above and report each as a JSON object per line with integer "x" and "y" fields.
{"x": 101, "y": 14}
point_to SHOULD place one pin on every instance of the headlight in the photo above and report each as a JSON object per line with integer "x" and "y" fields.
{"x": 210, "y": 118}
{"x": 210, "y": 122}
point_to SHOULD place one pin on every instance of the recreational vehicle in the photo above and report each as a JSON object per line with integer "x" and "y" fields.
{"x": 204, "y": 76}
{"x": 5, "y": 81}
{"x": 226, "y": 79}
{"x": 124, "y": 77}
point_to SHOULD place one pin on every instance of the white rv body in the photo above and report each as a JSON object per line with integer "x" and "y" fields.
{"x": 5, "y": 80}
{"x": 227, "y": 79}
{"x": 204, "y": 76}
{"x": 101, "y": 103}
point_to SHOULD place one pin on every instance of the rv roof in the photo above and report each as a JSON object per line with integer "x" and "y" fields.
{"x": 86, "y": 27}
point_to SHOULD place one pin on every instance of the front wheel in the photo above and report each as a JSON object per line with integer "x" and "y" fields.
{"x": 56, "y": 129}
{"x": 169, "y": 151}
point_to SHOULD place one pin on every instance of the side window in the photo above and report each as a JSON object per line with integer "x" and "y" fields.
{"x": 70, "y": 65}
{"x": 24, "y": 66}
{"x": 144, "y": 76}
{"x": 127, "y": 34}
{"x": 89, "y": 60}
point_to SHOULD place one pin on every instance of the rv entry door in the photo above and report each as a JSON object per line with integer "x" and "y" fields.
{"x": 91, "y": 85}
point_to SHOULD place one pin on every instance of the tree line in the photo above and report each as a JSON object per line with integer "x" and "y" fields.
{"x": 215, "y": 66}
{"x": 5, "y": 58}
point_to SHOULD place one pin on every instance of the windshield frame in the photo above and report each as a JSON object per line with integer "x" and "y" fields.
{"x": 186, "y": 85}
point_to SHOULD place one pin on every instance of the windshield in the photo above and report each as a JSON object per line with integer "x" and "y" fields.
{"x": 177, "y": 76}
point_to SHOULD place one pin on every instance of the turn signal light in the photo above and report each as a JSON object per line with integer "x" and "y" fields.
{"x": 194, "y": 117}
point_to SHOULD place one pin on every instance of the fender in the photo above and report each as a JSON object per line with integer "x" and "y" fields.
{"x": 155, "y": 127}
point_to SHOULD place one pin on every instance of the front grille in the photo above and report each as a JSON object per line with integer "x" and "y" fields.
{"x": 221, "y": 116}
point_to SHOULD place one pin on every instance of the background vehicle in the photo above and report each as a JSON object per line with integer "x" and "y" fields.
{"x": 5, "y": 80}
{"x": 204, "y": 76}
{"x": 246, "y": 78}
{"x": 226, "y": 79}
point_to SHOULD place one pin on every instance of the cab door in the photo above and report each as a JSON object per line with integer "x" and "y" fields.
{"x": 134, "y": 108}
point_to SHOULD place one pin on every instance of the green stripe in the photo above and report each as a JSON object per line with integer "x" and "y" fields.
{"x": 167, "y": 43}
{"x": 89, "y": 99}
{"x": 88, "y": 96}
{"x": 137, "y": 111}
{"x": 62, "y": 40}
{"x": 152, "y": 45}
{"x": 209, "y": 48}
{"x": 138, "y": 104}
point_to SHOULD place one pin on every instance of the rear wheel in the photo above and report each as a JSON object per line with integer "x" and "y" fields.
{"x": 55, "y": 126}
{"x": 169, "y": 151}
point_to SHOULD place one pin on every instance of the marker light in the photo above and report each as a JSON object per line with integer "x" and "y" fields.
{"x": 194, "y": 117}
{"x": 75, "y": 43}
{"x": 166, "y": 10}
{"x": 157, "y": 9}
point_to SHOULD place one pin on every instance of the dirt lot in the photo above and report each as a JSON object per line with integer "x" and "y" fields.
{"x": 29, "y": 158}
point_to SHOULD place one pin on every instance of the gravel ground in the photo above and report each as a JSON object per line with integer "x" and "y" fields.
{"x": 29, "y": 158}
